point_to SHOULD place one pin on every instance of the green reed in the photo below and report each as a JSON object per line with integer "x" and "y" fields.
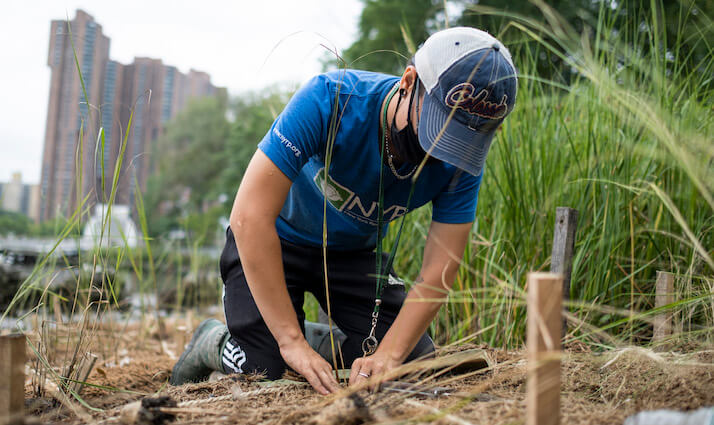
{"x": 627, "y": 142}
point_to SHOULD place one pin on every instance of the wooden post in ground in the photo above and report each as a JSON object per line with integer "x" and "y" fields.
{"x": 664, "y": 294}
{"x": 544, "y": 320}
{"x": 12, "y": 377}
{"x": 561, "y": 260}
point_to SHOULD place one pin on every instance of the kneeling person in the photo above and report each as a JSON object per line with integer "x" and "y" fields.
{"x": 442, "y": 113}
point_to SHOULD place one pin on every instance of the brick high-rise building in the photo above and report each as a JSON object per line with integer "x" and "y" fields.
{"x": 114, "y": 116}
{"x": 68, "y": 111}
{"x": 144, "y": 86}
{"x": 155, "y": 92}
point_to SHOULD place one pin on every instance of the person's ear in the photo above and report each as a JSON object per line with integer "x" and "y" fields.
{"x": 408, "y": 79}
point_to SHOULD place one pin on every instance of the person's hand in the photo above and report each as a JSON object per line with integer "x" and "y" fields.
{"x": 375, "y": 365}
{"x": 305, "y": 361}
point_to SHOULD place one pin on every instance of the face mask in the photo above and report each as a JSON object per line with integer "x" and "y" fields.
{"x": 405, "y": 143}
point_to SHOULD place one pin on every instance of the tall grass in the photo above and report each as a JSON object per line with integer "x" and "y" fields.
{"x": 628, "y": 143}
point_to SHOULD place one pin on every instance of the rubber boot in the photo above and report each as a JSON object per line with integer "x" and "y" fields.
{"x": 318, "y": 336}
{"x": 202, "y": 355}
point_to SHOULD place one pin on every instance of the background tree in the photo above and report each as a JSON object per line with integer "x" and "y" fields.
{"x": 51, "y": 227}
{"x": 192, "y": 148}
{"x": 14, "y": 223}
{"x": 190, "y": 162}
{"x": 203, "y": 155}
{"x": 254, "y": 114}
{"x": 381, "y": 22}
{"x": 678, "y": 17}
{"x": 380, "y": 44}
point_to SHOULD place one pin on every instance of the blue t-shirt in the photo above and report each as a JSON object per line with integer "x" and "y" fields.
{"x": 297, "y": 143}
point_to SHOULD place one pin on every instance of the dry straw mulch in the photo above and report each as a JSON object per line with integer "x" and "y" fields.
{"x": 597, "y": 388}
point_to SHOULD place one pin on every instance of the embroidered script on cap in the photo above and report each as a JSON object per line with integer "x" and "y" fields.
{"x": 462, "y": 96}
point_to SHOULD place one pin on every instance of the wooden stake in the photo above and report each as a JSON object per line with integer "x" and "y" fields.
{"x": 664, "y": 295}
{"x": 544, "y": 333}
{"x": 566, "y": 224}
{"x": 12, "y": 377}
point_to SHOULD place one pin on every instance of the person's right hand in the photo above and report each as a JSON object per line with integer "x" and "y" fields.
{"x": 305, "y": 361}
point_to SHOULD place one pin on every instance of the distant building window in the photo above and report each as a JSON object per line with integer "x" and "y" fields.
{"x": 90, "y": 32}
{"x": 59, "y": 44}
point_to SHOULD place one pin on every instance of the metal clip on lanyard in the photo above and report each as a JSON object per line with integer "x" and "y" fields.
{"x": 370, "y": 344}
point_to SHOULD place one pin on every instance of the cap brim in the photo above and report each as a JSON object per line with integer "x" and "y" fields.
{"x": 448, "y": 140}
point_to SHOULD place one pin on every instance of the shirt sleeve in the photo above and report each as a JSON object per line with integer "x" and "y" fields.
{"x": 298, "y": 132}
{"x": 457, "y": 202}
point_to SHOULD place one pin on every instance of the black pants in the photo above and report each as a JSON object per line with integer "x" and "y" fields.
{"x": 352, "y": 286}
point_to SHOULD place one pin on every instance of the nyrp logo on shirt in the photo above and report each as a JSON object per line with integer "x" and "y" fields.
{"x": 287, "y": 143}
{"x": 346, "y": 201}
{"x": 335, "y": 193}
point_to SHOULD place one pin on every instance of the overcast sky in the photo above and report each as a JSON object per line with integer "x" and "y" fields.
{"x": 243, "y": 45}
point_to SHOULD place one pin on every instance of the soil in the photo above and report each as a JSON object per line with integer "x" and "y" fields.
{"x": 596, "y": 388}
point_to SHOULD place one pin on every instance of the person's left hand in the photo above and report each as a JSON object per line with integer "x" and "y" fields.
{"x": 375, "y": 365}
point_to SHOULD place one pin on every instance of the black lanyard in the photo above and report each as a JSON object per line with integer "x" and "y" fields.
{"x": 370, "y": 343}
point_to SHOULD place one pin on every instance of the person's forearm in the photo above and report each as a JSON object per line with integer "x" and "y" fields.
{"x": 260, "y": 254}
{"x": 260, "y": 198}
{"x": 419, "y": 309}
{"x": 442, "y": 255}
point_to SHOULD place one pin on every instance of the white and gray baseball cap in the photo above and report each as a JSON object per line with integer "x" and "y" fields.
{"x": 470, "y": 86}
